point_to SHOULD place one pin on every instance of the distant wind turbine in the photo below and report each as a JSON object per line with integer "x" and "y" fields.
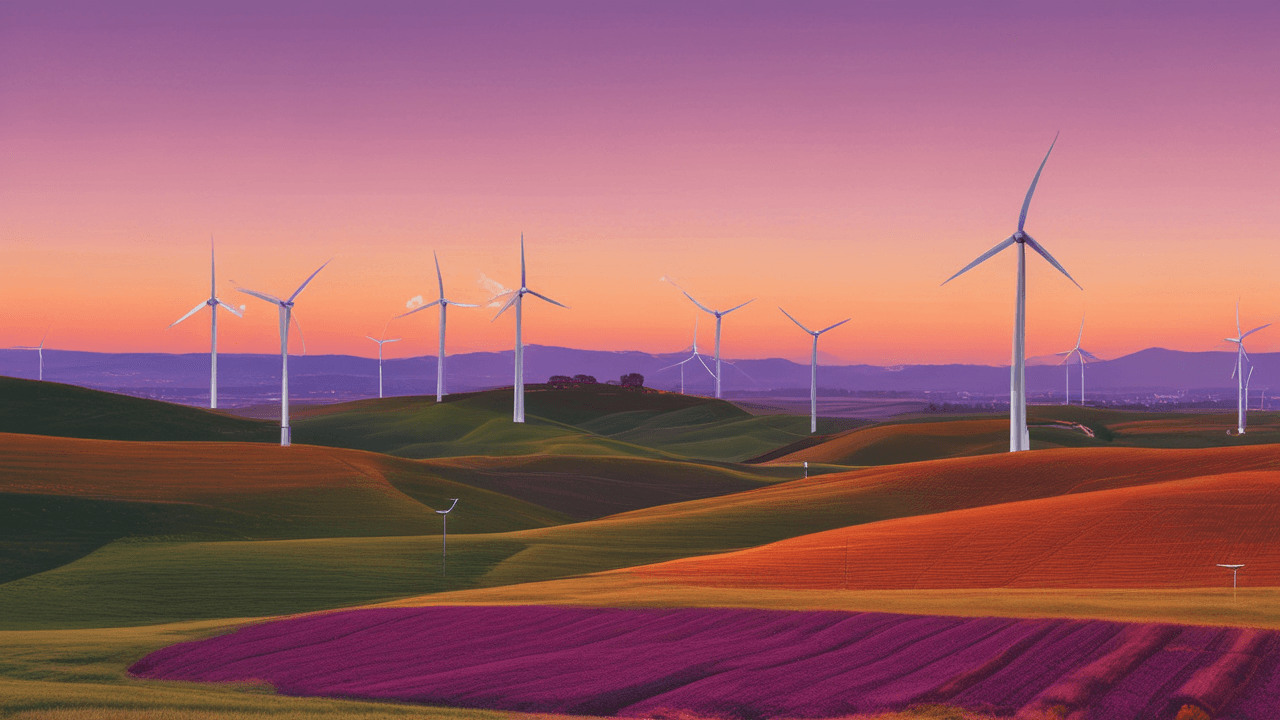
{"x": 213, "y": 303}
{"x": 380, "y": 344}
{"x": 691, "y": 358}
{"x": 718, "y": 315}
{"x": 813, "y": 368}
{"x": 1083, "y": 355}
{"x": 1019, "y": 439}
{"x": 1234, "y": 569}
{"x": 1242, "y": 409}
{"x": 286, "y": 315}
{"x": 444, "y": 536}
{"x": 444, "y": 306}
{"x": 516, "y": 300}
{"x": 39, "y": 351}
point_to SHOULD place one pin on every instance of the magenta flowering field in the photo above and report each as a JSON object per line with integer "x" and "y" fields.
{"x": 742, "y": 663}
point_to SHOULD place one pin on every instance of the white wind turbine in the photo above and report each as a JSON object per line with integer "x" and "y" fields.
{"x": 695, "y": 356}
{"x": 813, "y": 368}
{"x": 286, "y": 315}
{"x": 1019, "y": 439}
{"x": 1238, "y": 372}
{"x": 380, "y": 344}
{"x": 213, "y": 303}
{"x": 718, "y": 315}
{"x": 39, "y": 351}
{"x": 516, "y": 299}
{"x": 444, "y": 306}
{"x": 1083, "y": 355}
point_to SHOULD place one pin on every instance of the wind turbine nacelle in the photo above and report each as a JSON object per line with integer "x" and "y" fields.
{"x": 1020, "y": 237}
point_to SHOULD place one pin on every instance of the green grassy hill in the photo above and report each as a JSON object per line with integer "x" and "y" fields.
{"x": 46, "y": 408}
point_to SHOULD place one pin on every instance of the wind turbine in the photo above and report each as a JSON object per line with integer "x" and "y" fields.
{"x": 213, "y": 303}
{"x": 39, "y": 351}
{"x": 1238, "y": 371}
{"x": 1019, "y": 439}
{"x": 444, "y": 305}
{"x": 1234, "y": 569}
{"x": 691, "y": 358}
{"x": 286, "y": 314}
{"x": 813, "y": 368}
{"x": 380, "y": 344}
{"x": 718, "y": 315}
{"x": 1083, "y": 355}
{"x": 516, "y": 299}
{"x": 444, "y": 536}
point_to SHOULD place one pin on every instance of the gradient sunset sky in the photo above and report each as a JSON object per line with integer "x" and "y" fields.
{"x": 839, "y": 159}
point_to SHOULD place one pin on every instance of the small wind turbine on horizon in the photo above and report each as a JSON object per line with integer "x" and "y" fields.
{"x": 719, "y": 314}
{"x": 1234, "y": 569}
{"x": 695, "y": 356}
{"x": 813, "y": 368}
{"x": 444, "y": 306}
{"x": 213, "y": 303}
{"x": 286, "y": 315}
{"x": 380, "y": 344}
{"x": 1083, "y": 355}
{"x": 516, "y": 299}
{"x": 1242, "y": 410}
{"x": 39, "y": 351}
{"x": 1019, "y": 438}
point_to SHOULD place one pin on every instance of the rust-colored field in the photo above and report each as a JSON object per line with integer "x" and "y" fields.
{"x": 1163, "y": 535}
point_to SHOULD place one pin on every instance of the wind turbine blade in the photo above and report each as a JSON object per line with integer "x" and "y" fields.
{"x": 1241, "y": 337}
{"x": 708, "y": 367}
{"x": 675, "y": 366}
{"x": 45, "y": 335}
{"x": 1244, "y": 352}
{"x": 457, "y": 304}
{"x": 392, "y": 340}
{"x": 439, "y": 277}
{"x": 308, "y": 281}
{"x": 230, "y": 309}
{"x": 1045, "y": 254}
{"x": 735, "y": 367}
{"x": 1091, "y": 357}
{"x": 417, "y": 309}
{"x": 982, "y": 258}
{"x": 1022, "y": 218}
{"x": 695, "y": 302}
{"x": 262, "y": 296}
{"x": 833, "y": 327}
{"x": 1081, "y": 335}
{"x": 515, "y": 295}
{"x": 294, "y": 315}
{"x": 213, "y": 282}
{"x": 194, "y": 310}
{"x": 523, "y": 280}
{"x": 544, "y": 297}
{"x": 797, "y": 322}
{"x": 1237, "y": 317}
{"x": 735, "y": 307}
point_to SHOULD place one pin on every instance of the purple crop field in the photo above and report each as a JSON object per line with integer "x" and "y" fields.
{"x": 742, "y": 663}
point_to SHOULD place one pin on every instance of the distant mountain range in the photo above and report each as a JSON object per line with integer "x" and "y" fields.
{"x": 250, "y": 379}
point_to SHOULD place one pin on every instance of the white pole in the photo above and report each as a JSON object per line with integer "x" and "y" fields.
{"x": 40, "y": 353}
{"x": 379, "y": 369}
{"x": 213, "y": 360}
{"x": 1240, "y": 388}
{"x": 440, "y": 355}
{"x": 717, "y": 356}
{"x": 1068, "y": 394}
{"x": 813, "y": 391}
{"x": 519, "y": 386}
{"x": 285, "y": 438}
{"x": 1018, "y": 437}
{"x": 1082, "y": 382}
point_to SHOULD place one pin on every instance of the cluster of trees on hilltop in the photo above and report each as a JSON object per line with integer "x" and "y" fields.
{"x": 630, "y": 380}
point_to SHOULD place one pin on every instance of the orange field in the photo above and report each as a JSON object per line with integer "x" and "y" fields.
{"x": 1162, "y": 535}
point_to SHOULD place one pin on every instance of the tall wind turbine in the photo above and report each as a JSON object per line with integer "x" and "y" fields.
{"x": 1238, "y": 372}
{"x": 1083, "y": 355}
{"x": 444, "y": 305}
{"x": 691, "y": 358}
{"x": 444, "y": 535}
{"x": 286, "y": 315}
{"x": 1019, "y": 439}
{"x": 380, "y": 344}
{"x": 213, "y": 303}
{"x": 39, "y": 351}
{"x": 516, "y": 299}
{"x": 719, "y": 314}
{"x": 813, "y": 368}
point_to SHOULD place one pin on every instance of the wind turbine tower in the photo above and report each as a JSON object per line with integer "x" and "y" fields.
{"x": 515, "y": 298}
{"x": 1083, "y": 355}
{"x": 1234, "y": 569}
{"x": 691, "y": 358}
{"x": 444, "y": 306}
{"x": 1242, "y": 356}
{"x": 1019, "y": 439}
{"x": 719, "y": 315}
{"x": 813, "y": 368}
{"x": 444, "y": 536}
{"x": 213, "y": 303}
{"x": 286, "y": 315}
{"x": 39, "y": 352}
{"x": 380, "y": 344}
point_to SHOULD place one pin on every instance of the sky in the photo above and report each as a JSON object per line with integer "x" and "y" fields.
{"x": 837, "y": 159}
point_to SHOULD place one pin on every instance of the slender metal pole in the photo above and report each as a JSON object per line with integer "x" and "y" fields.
{"x": 285, "y": 438}
{"x": 813, "y": 388}
{"x": 440, "y": 356}
{"x": 1018, "y": 436}
{"x": 213, "y": 360}
{"x": 518, "y": 415}
{"x": 379, "y": 369}
{"x": 717, "y": 356}
{"x": 444, "y": 546}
